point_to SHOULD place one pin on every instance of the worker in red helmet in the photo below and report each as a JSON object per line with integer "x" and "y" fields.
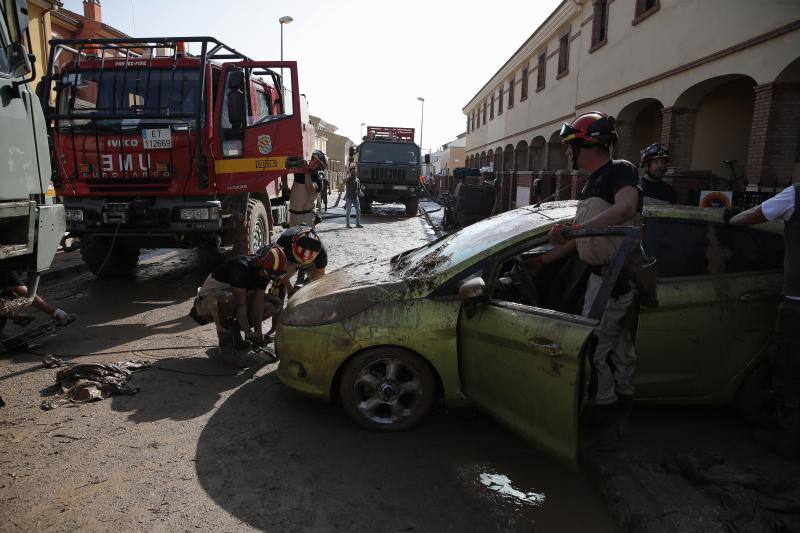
{"x": 612, "y": 189}
{"x": 234, "y": 298}
{"x": 654, "y": 164}
{"x": 305, "y": 254}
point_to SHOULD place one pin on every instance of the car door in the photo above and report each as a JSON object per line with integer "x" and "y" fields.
{"x": 717, "y": 288}
{"x": 256, "y": 147}
{"x": 524, "y": 365}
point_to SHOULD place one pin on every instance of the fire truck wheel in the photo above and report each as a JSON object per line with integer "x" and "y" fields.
{"x": 256, "y": 231}
{"x": 412, "y": 207}
{"x": 120, "y": 262}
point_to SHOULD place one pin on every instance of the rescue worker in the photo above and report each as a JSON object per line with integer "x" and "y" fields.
{"x": 351, "y": 197}
{"x": 589, "y": 140}
{"x": 306, "y": 188}
{"x": 654, "y": 163}
{"x": 784, "y": 356}
{"x": 12, "y": 286}
{"x": 305, "y": 253}
{"x": 234, "y": 298}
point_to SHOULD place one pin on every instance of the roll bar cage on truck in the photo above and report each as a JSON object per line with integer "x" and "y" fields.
{"x": 156, "y": 147}
{"x": 30, "y": 227}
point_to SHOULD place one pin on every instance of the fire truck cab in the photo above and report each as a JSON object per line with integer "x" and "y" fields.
{"x": 156, "y": 147}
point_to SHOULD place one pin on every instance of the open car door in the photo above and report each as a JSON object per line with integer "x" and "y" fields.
{"x": 258, "y": 127}
{"x": 526, "y": 366}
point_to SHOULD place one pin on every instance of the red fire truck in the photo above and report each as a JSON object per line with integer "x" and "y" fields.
{"x": 157, "y": 147}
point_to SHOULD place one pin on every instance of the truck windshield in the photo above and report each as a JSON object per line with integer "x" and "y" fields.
{"x": 403, "y": 153}
{"x": 127, "y": 92}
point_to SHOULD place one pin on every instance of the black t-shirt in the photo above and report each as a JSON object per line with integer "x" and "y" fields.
{"x": 316, "y": 177}
{"x": 241, "y": 272}
{"x": 285, "y": 242}
{"x": 658, "y": 190}
{"x": 9, "y": 278}
{"x": 606, "y": 181}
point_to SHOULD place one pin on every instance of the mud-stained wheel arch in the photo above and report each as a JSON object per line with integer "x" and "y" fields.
{"x": 337, "y": 376}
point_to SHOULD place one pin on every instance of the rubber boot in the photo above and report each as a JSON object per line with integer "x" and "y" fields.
{"x": 242, "y": 345}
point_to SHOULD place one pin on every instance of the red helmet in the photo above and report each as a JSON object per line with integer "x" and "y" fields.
{"x": 271, "y": 258}
{"x": 590, "y": 128}
{"x": 306, "y": 246}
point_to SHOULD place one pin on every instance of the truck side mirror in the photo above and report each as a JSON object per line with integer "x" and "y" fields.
{"x": 19, "y": 60}
{"x": 352, "y": 152}
{"x": 236, "y": 108}
{"x": 427, "y": 159}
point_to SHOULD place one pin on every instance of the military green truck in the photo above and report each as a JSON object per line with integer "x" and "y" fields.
{"x": 31, "y": 227}
{"x": 389, "y": 167}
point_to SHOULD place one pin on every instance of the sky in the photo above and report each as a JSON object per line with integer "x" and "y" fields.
{"x": 359, "y": 60}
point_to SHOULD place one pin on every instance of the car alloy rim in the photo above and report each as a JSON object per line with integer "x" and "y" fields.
{"x": 387, "y": 390}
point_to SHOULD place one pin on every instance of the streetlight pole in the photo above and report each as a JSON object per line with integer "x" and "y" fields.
{"x": 421, "y": 122}
{"x": 362, "y": 132}
{"x": 283, "y": 20}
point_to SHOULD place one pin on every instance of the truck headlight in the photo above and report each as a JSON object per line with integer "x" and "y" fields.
{"x": 321, "y": 312}
{"x": 73, "y": 215}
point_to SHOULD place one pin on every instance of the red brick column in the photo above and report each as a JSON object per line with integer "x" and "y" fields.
{"x": 677, "y": 132}
{"x": 774, "y": 135}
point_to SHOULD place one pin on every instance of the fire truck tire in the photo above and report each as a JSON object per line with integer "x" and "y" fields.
{"x": 256, "y": 231}
{"x": 412, "y": 207}
{"x": 120, "y": 262}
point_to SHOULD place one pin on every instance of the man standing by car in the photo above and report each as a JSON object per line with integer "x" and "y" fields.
{"x": 654, "y": 162}
{"x": 233, "y": 297}
{"x": 306, "y": 188}
{"x": 351, "y": 196}
{"x": 784, "y": 356}
{"x": 305, "y": 253}
{"x": 589, "y": 140}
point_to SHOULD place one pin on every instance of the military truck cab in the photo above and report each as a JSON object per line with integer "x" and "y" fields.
{"x": 388, "y": 164}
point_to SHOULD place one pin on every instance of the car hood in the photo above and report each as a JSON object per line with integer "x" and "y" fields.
{"x": 371, "y": 281}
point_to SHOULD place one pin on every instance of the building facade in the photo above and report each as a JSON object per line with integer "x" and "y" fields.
{"x": 335, "y": 146}
{"x": 449, "y": 156}
{"x": 714, "y": 80}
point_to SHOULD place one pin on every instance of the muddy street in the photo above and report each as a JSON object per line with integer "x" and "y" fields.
{"x": 204, "y": 447}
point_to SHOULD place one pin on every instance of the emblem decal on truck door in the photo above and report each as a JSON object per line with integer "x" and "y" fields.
{"x": 264, "y": 144}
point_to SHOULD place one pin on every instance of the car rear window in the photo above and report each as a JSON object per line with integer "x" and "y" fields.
{"x": 699, "y": 248}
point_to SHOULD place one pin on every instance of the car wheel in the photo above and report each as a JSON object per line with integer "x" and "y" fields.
{"x": 753, "y": 399}
{"x": 389, "y": 389}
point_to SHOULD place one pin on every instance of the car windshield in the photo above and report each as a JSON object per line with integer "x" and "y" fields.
{"x": 386, "y": 152}
{"x": 477, "y": 239}
{"x": 127, "y": 92}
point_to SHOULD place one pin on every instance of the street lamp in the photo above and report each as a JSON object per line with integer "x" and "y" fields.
{"x": 283, "y": 21}
{"x": 421, "y": 121}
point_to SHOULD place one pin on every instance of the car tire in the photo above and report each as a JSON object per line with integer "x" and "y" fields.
{"x": 753, "y": 401}
{"x": 387, "y": 388}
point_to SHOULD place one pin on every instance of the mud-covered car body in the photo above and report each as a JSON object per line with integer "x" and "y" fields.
{"x": 523, "y": 358}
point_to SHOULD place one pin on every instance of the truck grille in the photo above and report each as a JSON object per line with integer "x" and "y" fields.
{"x": 125, "y": 185}
{"x": 388, "y": 173}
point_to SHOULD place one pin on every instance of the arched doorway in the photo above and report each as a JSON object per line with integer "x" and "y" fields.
{"x": 498, "y": 159}
{"x": 722, "y": 122}
{"x": 536, "y": 154}
{"x": 556, "y": 154}
{"x": 638, "y": 126}
{"x": 482, "y": 161}
{"x": 521, "y": 157}
{"x": 508, "y": 158}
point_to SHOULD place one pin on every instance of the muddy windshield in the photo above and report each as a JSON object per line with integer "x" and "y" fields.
{"x": 475, "y": 240}
{"x": 390, "y": 153}
{"x": 127, "y": 92}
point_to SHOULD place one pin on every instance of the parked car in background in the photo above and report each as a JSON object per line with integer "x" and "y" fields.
{"x": 459, "y": 319}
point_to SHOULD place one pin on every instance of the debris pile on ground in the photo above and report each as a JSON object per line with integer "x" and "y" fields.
{"x": 89, "y": 382}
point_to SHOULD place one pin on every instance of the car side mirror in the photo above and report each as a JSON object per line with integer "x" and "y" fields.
{"x": 427, "y": 159}
{"x": 472, "y": 288}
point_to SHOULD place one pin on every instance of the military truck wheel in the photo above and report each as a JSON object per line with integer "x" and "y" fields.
{"x": 366, "y": 205}
{"x": 387, "y": 388}
{"x": 256, "y": 230}
{"x": 119, "y": 262}
{"x": 412, "y": 207}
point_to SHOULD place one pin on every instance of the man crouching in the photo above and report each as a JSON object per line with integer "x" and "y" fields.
{"x": 234, "y": 298}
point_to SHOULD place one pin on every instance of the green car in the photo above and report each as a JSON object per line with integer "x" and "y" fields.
{"x": 459, "y": 320}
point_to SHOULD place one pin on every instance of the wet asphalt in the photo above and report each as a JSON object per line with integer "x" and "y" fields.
{"x": 202, "y": 447}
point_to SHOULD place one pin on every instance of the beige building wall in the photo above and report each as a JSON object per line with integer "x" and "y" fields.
{"x": 41, "y": 32}
{"x": 710, "y": 58}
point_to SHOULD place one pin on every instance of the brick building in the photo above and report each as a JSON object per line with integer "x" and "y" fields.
{"x": 67, "y": 24}
{"x": 713, "y": 79}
